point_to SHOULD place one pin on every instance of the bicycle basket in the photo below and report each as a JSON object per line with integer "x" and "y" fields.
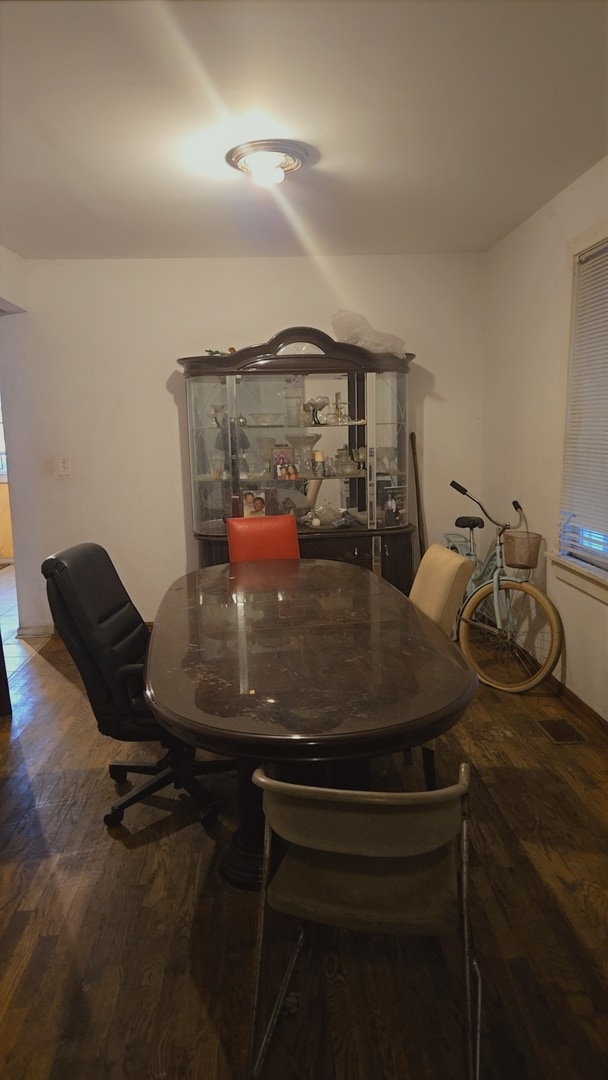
{"x": 520, "y": 549}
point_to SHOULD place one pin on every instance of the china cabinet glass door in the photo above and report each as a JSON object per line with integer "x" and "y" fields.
{"x": 279, "y": 444}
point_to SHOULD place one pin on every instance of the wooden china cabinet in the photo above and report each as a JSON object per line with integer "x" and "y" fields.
{"x": 307, "y": 425}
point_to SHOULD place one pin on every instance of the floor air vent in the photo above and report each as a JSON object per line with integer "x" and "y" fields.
{"x": 561, "y": 731}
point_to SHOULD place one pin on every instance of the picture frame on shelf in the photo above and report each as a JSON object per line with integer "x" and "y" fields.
{"x": 283, "y": 467}
{"x": 395, "y": 506}
{"x": 254, "y": 503}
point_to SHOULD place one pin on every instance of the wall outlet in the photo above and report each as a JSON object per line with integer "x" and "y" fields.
{"x": 64, "y": 466}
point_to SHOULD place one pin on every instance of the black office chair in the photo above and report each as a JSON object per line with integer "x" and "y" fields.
{"x": 107, "y": 639}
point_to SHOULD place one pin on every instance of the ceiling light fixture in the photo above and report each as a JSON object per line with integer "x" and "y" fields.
{"x": 267, "y": 161}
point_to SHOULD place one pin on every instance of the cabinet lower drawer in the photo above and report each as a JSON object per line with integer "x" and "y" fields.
{"x": 339, "y": 547}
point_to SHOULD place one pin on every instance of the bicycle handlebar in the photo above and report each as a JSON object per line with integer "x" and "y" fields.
{"x": 502, "y": 525}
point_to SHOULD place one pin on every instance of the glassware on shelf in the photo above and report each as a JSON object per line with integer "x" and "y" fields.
{"x": 338, "y": 414}
{"x": 265, "y": 444}
{"x": 294, "y": 402}
{"x": 386, "y": 457}
{"x": 303, "y": 447}
{"x": 345, "y": 466}
{"x": 217, "y": 466}
{"x": 262, "y": 424}
{"x": 267, "y": 419}
{"x": 216, "y": 414}
{"x": 322, "y": 516}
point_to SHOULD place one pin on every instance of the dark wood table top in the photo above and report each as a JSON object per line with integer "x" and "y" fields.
{"x": 307, "y": 660}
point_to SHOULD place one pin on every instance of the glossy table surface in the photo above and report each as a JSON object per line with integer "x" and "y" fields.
{"x": 307, "y": 660}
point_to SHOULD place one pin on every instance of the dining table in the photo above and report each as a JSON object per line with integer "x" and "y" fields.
{"x": 306, "y": 663}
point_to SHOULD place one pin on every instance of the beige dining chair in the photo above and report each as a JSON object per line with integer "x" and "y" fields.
{"x": 438, "y": 590}
{"x": 372, "y": 861}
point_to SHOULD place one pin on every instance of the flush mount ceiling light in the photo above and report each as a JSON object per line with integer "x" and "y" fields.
{"x": 268, "y": 161}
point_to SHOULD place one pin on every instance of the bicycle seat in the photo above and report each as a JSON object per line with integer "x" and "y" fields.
{"x": 469, "y": 523}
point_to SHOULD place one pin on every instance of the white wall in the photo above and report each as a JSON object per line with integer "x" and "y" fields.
{"x": 12, "y": 281}
{"x": 529, "y": 280}
{"x": 90, "y": 374}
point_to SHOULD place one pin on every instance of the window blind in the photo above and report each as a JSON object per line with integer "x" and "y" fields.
{"x": 584, "y": 503}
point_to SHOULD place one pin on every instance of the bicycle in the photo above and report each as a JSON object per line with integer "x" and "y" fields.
{"x": 508, "y": 629}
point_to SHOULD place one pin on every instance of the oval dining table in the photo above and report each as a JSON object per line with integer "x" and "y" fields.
{"x": 298, "y": 661}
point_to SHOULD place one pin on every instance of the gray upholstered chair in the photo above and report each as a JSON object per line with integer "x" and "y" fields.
{"x": 378, "y": 862}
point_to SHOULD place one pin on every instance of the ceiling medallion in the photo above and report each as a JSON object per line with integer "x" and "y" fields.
{"x": 268, "y": 161}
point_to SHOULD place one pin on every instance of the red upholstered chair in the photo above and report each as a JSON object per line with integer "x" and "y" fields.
{"x": 255, "y": 539}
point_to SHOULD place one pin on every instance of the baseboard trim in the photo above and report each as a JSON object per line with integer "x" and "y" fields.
{"x": 571, "y": 699}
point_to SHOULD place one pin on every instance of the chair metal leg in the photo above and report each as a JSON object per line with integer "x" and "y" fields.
{"x": 428, "y": 765}
{"x": 278, "y": 1005}
{"x": 257, "y": 974}
{"x": 477, "y": 1031}
{"x": 256, "y": 1062}
{"x": 471, "y": 968}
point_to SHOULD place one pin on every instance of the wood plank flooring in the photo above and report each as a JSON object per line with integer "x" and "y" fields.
{"x": 124, "y": 955}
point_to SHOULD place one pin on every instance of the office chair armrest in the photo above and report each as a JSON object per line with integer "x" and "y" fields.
{"x": 131, "y": 678}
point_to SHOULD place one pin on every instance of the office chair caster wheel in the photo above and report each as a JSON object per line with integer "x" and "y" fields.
{"x": 118, "y": 773}
{"x": 113, "y": 818}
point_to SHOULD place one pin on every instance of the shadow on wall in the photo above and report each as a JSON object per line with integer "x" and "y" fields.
{"x": 420, "y": 386}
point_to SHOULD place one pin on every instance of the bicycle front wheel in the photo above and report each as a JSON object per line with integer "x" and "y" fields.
{"x": 524, "y": 649}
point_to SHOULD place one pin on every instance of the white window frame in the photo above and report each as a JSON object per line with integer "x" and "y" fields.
{"x": 3, "y": 472}
{"x": 583, "y": 540}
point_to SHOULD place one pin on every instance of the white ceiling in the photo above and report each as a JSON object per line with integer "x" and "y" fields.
{"x": 440, "y": 125}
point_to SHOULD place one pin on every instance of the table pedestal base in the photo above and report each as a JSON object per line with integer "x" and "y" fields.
{"x": 240, "y": 865}
{"x": 241, "y": 862}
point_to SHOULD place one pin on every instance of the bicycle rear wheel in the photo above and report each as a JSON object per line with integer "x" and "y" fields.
{"x": 525, "y": 650}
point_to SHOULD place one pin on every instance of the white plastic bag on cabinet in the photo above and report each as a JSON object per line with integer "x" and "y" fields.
{"x": 356, "y": 329}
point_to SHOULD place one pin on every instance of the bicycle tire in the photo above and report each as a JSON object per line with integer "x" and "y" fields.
{"x": 520, "y": 656}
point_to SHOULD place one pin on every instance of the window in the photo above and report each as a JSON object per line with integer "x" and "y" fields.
{"x": 2, "y": 449}
{"x": 584, "y": 504}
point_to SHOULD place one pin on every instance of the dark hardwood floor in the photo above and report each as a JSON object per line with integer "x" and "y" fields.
{"x": 124, "y": 955}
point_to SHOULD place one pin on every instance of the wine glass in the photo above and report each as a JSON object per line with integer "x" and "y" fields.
{"x": 216, "y": 414}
